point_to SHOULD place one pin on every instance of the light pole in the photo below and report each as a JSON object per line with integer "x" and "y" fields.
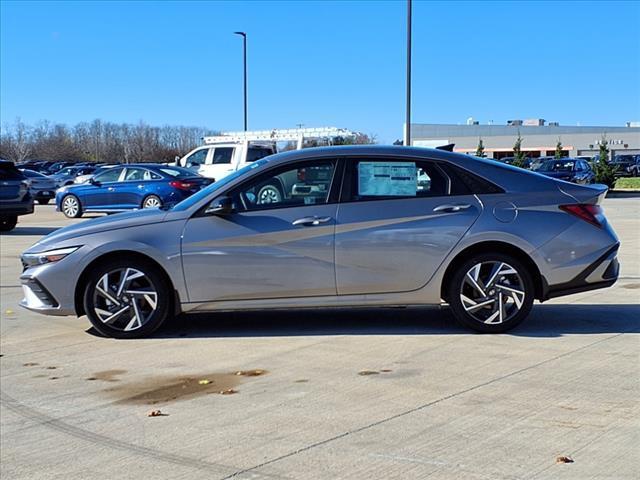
{"x": 244, "y": 45}
{"x": 407, "y": 129}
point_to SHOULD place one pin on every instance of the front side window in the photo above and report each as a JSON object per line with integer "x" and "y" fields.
{"x": 222, "y": 155}
{"x": 307, "y": 183}
{"x": 111, "y": 175}
{"x": 380, "y": 179}
{"x": 198, "y": 157}
{"x": 256, "y": 153}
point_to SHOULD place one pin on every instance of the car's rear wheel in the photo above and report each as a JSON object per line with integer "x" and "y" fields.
{"x": 44, "y": 201}
{"x": 71, "y": 207}
{"x": 8, "y": 222}
{"x": 151, "y": 201}
{"x": 491, "y": 292}
{"x": 127, "y": 298}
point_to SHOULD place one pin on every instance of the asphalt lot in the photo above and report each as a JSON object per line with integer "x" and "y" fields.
{"x": 438, "y": 402}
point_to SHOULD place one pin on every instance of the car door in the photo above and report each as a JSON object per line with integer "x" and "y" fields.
{"x": 269, "y": 247}
{"x": 100, "y": 193}
{"x": 219, "y": 164}
{"x": 397, "y": 221}
{"x": 131, "y": 190}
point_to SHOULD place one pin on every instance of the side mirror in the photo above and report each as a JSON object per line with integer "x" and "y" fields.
{"x": 94, "y": 182}
{"x": 222, "y": 206}
{"x": 176, "y": 159}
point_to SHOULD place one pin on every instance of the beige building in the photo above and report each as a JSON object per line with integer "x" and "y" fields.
{"x": 538, "y": 139}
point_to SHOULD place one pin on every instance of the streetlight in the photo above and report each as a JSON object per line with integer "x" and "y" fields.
{"x": 407, "y": 129}
{"x": 244, "y": 41}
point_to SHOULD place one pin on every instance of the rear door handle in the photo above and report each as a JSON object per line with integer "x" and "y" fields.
{"x": 311, "y": 221}
{"x": 452, "y": 207}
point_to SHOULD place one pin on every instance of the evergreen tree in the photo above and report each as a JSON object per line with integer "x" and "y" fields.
{"x": 480, "y": 149}
{"x": 605, "y": 172}
{"x": 558, "y": 154}
{"x": 518, "y": 154}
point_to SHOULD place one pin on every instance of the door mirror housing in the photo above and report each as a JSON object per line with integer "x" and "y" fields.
{"x": 221, "y": 206}
{"x": 94, "y": 182}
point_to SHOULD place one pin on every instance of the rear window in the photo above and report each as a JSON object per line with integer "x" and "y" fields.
{"x": 257, "y": 153}
{"x": 178, "y": 172}
{"x": 8, "y": 171}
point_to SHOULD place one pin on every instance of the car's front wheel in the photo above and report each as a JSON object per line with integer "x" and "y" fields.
{"x": 71, "y": 206}
{"x": 8, "y": 222}
{"x": 491, "y": 293}
{"x": 127, "y": 298}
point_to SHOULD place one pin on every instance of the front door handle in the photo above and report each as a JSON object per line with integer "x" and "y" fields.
{"x": 111, "y": 189}
{"x": 452, "y": 207}
{"x": 311, "y": 221}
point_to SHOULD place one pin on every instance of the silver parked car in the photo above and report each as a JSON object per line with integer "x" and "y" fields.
{"x": 359, "y": 226}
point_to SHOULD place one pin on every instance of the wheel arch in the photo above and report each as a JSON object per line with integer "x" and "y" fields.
{"x": 118, "y": 254}
{"x": 498, "y": 247}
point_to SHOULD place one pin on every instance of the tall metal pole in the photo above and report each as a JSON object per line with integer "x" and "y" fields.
{"x": 407, "y": 130}
{"x": 244, "y": 43}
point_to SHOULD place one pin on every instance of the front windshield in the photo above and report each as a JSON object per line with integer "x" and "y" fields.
{"x": 208, "y": 190}
{"x": 556, "y": 166}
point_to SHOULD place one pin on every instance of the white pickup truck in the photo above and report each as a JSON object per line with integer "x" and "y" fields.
{"x": 224, "y": 154}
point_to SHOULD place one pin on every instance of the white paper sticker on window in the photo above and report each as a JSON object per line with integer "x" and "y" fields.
{"x": 387, "y": 179}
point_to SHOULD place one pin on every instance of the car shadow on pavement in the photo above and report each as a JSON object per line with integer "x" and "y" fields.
{"x": 26, "y": 231}
{"x": 547, "y": 320}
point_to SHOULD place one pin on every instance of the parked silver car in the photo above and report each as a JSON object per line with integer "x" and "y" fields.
{"x": 41, "y": 187}
{"x": 380, "y": 226}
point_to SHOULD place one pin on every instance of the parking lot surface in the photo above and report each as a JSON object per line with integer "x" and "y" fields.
{"x": 384, "y": 393}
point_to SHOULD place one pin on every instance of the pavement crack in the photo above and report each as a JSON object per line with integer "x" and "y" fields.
{"x": 426, "y": 405}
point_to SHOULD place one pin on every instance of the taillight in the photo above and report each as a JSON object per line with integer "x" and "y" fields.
{"x": 182, "y": 185}
{"x": 302, "y": 175}
{"x": 585, "y": 211}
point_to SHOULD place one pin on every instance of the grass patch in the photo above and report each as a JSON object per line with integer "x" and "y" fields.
{"x": 633, "y": 183}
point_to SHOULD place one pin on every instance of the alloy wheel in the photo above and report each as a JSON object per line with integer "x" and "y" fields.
{"x": 70, "y": 206}
{"x": 152, "y": 202}
{"x": 492, "y": 292}
{"x": 125, "y": 299}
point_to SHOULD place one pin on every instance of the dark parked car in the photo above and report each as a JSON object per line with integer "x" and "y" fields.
{"x": 41, "y": 187}
{"x": 569, "y": 169}
{"x": 67, "y": 175}
{"x": 15, "y": 198}
{"x": 128, "y": 187}
{"x": 626, "y": 165}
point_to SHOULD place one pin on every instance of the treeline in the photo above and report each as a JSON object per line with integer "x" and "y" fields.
{"x": 97, "y": 141}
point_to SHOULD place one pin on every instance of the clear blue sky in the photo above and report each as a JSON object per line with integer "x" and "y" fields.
{"x": 320, "y": 63}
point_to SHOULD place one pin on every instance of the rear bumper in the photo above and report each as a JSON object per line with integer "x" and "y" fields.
{"x": 602, "y": 273}
{"x": 24, "y": 208}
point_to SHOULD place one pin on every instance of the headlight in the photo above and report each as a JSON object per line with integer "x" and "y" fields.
{"x": 33, "y": 259}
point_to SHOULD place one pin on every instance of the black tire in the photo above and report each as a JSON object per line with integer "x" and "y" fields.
{"x": 43, "y": 202}
{"x": 514, "y": 316}
{"x": 8, "y": 222}
{"x": 154, "y": 278}
{"x": 69, "y": 212}
{"x": 157, "y": 202}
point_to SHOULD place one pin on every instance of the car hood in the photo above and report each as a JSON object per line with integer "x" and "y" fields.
{"x": 59, "y": 238}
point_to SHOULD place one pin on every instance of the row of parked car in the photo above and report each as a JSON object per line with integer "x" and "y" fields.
{"x": 578, "y": 169}
{"x": 92, "y": 188}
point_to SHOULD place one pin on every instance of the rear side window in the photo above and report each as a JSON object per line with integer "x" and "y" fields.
{"x": 387, "y": 179}
{"x": 464, "y": 182}
{"x": 8, "y": 171}
{"x": 222, "y": 155}
{"x": 254, "y": 153}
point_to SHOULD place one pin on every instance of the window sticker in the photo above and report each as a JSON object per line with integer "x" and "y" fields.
{"x": 387, "y": 179}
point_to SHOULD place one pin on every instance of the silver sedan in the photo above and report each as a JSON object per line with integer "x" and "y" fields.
{"x": 344, "y": 227}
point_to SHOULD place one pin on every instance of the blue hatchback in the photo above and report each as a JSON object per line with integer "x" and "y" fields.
{"x": 129, "y": 187}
